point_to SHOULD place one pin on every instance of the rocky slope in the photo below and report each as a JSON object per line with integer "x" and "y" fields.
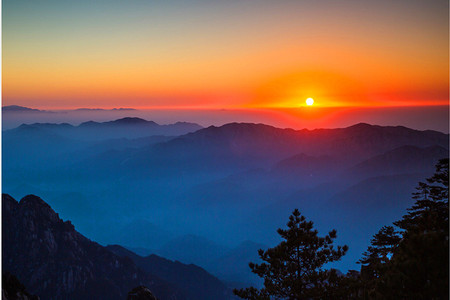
{"x": 54, "y": 261}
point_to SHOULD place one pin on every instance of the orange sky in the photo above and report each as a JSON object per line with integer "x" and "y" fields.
{"x": 227, "y": 55}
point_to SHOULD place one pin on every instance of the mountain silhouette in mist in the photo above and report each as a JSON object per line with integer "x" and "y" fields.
{"x": 102, "y": 109}
{"x": 232, "y": 266}
{"x": 20, "y": 109}
{"x": 255, "y": 145}
{"x": 402, "y": 160}
{"x": 121, "y": 128}
{"x": 48, "y": 143}
{"x": 128, "y": 121}
{"x": 192, "y": 249}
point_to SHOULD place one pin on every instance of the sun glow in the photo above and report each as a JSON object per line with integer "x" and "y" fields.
{"x": 309, "y": 101}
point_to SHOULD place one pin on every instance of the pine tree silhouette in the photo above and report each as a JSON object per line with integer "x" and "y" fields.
{"x": 294, "y": 268}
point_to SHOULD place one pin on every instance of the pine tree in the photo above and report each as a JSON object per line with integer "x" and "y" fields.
{"x": 294, "y": 268}
{"x": 415, "y": 264}
{"x": 420, "y": 265}
{"x": 376, "y": 259}
{"x": 430, "y": 212}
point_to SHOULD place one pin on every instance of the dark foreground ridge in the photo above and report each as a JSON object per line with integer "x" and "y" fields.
{"x": 56, "y": 262}
{"x": 52, "y": 260}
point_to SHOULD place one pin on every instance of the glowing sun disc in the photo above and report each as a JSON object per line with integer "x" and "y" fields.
{"x": 309, "y": 101}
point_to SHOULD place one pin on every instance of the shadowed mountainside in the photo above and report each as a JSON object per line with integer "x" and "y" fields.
{"x": 55, "y": 261}
{"x": 192, "y": 280}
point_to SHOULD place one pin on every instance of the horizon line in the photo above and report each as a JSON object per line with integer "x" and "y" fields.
{"x": 202, "y": 107}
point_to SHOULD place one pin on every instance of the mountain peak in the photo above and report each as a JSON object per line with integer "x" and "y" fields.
{"x": 33, "y": 200}
{"x": 89, "y": 123}
{"x": 131, "y": 121}
{"x": 19, "y": 108}
{"x": 27, "y": 127}
{"x": 361, "y": 125}
{"x": 8, "y": 202}
{"x": 38, "y": 209}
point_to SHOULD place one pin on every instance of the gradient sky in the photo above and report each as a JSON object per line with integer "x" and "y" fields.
{"x": 225, "y": 54}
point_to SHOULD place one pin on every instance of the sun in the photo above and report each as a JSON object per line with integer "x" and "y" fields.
{"x": 309, "y": 101}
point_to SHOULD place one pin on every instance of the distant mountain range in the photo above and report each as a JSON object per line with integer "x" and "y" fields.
{"x": 239, "y": 147}
{"x": 102, "y": 109}
{"x": 256, "y": 142}
{"x": 54, "y": 261}
{"x": 19, "y": 109}
{"x": 121, "y": 128}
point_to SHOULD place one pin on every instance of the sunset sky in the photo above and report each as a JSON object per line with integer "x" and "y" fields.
{"x": 225, "y": 54}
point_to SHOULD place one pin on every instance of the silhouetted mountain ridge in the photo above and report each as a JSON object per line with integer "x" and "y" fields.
{"x": 241, "y": 146}
{"x": 18, "y": 108}
{"x": 131, "y": 121}
{"x": 103, "y": 109}
{"x": 128, "y": 127}
{"x": 191, "y": 279}
{"x": 118, "y": 122}
{"x": 260, "y": 139}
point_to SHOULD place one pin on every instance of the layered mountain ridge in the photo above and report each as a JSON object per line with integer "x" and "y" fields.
{"x": 227, "y": 184}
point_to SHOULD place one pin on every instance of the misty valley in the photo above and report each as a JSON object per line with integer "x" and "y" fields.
{"x": 169, "y": 197}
